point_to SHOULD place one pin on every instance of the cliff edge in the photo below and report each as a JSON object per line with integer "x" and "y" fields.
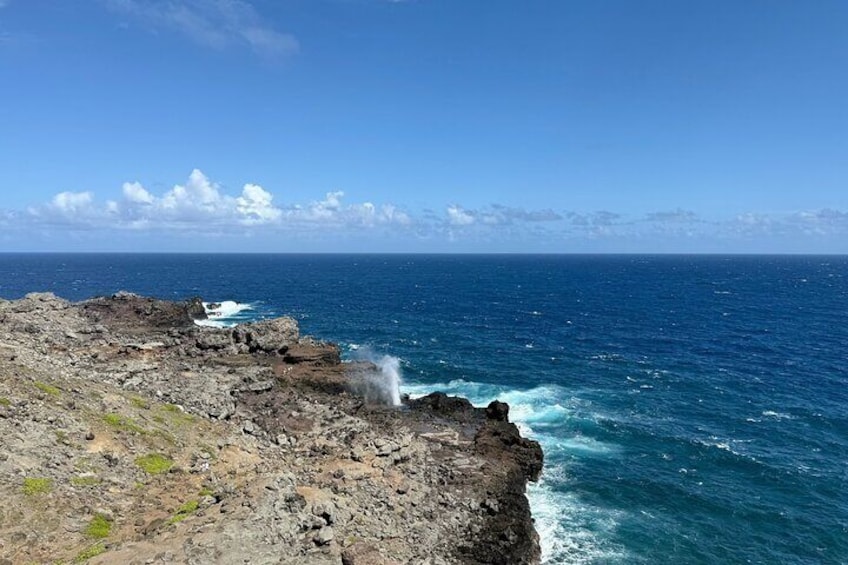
{"x": 132, "y": 435}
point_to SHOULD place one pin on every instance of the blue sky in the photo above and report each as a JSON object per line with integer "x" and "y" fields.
{"x": 424, "y": 125}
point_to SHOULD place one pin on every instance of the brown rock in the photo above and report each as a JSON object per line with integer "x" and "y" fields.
{"x": 364, "y": 554}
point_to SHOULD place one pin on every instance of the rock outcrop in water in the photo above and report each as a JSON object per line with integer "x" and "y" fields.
{"x": 131, "y": 435}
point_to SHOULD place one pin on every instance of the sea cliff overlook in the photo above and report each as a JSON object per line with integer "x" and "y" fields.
{"x": 132, "y": 435}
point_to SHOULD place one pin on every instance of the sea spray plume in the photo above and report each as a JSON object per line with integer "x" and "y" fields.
{"x": 390, "y": 370}
{"x": 383, "y": 384}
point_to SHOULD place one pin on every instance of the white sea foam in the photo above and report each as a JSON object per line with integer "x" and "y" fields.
{"x": 223, "y": 314}
{"x": 213, "y": 323}
{"x": 225, "y": 309}
{"x": 571, "y": 531}
{"x": 777, "y": 415}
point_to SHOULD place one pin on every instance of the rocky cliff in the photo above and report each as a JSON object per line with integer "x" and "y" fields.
{"x": 130, "y": 435}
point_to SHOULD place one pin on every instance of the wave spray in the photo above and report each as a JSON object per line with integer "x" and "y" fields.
{"x": 390, "y": 378}
{"x": 383, "y": 384}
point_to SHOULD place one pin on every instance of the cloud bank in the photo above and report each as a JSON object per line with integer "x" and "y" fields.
{"x": 199, "y": 207}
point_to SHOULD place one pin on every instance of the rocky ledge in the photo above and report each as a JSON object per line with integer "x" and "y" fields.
{"x": 131, "y": 435}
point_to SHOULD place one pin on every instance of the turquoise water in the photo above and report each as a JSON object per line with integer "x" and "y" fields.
{"x": 692, "y": 409}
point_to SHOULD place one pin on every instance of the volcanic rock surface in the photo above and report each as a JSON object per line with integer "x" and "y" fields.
{"x": 130, "y": 435}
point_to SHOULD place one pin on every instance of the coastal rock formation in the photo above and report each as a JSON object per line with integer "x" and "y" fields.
{"x": 131, "y": 435}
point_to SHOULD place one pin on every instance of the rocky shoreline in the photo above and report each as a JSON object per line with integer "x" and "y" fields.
{"x": 131, "y": 435}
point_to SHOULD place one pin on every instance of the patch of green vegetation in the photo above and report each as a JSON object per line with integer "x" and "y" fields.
{"x": 34, "y": 486}
{"x": 154, "y": 463}
{"x": 159, "y": 419}
{"x": 140, "y": 402}
{"x": 89, "y": 552}
{"x": 99, "y": 527}
{"x": 123, "y": 423}
{"x": 206, "y": 491}
{"x": 61, "y": 435}
{"x": 47, "y": 389}
{"x": 5, "y": 401}
{"x": 85, "y": 481}
{"x": 184, "y": 512}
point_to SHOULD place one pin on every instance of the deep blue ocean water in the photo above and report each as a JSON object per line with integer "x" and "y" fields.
{"x": 692, "y": 409}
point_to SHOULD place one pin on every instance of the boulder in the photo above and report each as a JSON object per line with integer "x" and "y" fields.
{"x": 318, "y": 354}
{"x": 497, "y": 410}
{"x": 362, "y": 553}
{"x": 268, "y": 336}
{"x": 136, "y": 314}
{"x": 214, "y": 339}
{"x": 454, "y": 407}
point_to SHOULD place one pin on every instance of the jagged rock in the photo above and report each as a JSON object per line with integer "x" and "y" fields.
{"x": 322, "y": 354}
{"x": 213, "y": 338}
{"x": 324, "y": 510}
{"x": 260, "y": 386}
{"x": 497, "y": 410}
{"x": 135, "y": 314}
{"x": 364, "y": 554}
{"x": 455, "y": 407}
{"x": 491, "y": 505}
{"x": 324, "y": 536}
{"x": 268, "y": 336}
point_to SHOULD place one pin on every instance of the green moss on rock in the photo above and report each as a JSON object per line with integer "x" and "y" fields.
{"x": 37, "y": 485}
{"x": 123, "y": 423}
{"x": 47, "y": 389}
{"x": 154, "y": 463}
{"x": 99, "y": 527}
{"x": 184, "y": 511}
{"x": 89, "y": 552}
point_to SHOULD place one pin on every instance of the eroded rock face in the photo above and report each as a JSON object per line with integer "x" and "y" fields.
{"x": 129, "y": 312}
{"x": 508, "y": 536}
{"x": 275, "y": 454}
{"x": 268, "y": 336}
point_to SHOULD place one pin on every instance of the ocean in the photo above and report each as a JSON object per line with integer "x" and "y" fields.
{"x": 692, "y": 409}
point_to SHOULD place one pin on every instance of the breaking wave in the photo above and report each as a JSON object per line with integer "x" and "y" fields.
{"x": 226, "y": 314}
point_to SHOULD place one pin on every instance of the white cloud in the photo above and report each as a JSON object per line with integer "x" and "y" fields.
{"x": 332, "y": 211}
{"x": 134, "y": 192}
{"x": 202, "y": 205}
{"x": 255, "y": 206}
{"x": 459, "y": 217}
{"x": 70, "y": 203}
{"x": 198, "y": 197}
{"x": 215, "y": 23}
{"x": 66, "y": 208}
